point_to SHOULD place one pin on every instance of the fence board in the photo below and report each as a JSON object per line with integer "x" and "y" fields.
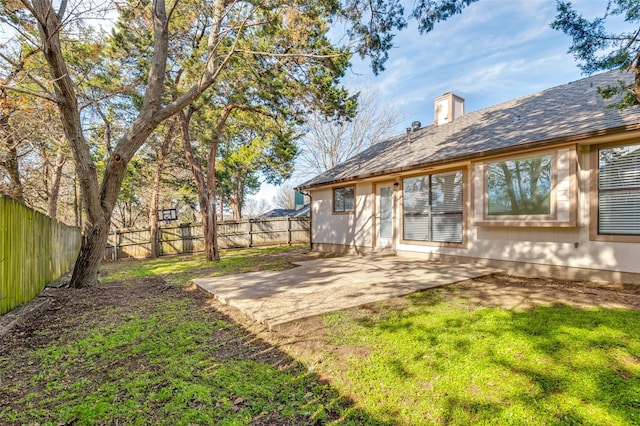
{"x": 189, "y": 238}
{"x": 34, "y": 251}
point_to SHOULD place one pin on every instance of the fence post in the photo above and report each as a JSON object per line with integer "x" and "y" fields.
{"x": 250, "y": 233}
{"x": 289, "y": 230}
{"x": 115, "y": 244}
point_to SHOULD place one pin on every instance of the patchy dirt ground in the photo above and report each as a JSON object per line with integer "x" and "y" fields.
{"x": 66, "y": 308}
{"x": 309, "y": 336}
{"x": 509, "y": 292}
{"x": 68, "y": 313}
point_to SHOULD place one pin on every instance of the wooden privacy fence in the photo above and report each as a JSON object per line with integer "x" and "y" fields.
{"x": 34, "y": 251}
{"x": 188, "y": 238}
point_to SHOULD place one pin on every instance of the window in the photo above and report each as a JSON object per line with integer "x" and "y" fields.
{"x": 432, "y": 207}
{"x": 619, "y": 190}
{"x": 520, "y": 187}
{"x": 344, "y": 199}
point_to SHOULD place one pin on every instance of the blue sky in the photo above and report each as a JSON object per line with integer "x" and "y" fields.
{"x": 496, "y": 50}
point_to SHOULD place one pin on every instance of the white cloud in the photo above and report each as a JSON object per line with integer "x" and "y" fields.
{"x": 496, "y": 50}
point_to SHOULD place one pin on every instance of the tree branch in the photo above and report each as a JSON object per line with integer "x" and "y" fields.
{"x": 291, "y": 55}
{"x": 27, "y": 92}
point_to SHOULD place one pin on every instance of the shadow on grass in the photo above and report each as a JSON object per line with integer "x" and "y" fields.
{"x": 553, "y": 364}
{"x": 180, "y": 269}
{"x": 148, "y": 353}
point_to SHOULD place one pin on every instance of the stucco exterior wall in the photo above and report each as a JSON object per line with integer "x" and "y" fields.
{"x": 562, "y": 250}
{"x": 350, "y": 229}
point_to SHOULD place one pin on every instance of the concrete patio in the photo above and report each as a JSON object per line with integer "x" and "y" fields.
{"x": 325, "y": 285}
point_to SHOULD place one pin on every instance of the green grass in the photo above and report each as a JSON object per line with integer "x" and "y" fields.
{"x": 166, "y": 357}
{"x": 160, "y": 367}
{"x": 442, "y": 360}
{"x": 155, "y": 354}
{"x": 181, "y": 269}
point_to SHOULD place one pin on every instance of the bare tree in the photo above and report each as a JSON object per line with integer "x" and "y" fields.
{"x": 254, "y": 208}
{"x": 285, "y": 198}
{"x": 329, "y": 143}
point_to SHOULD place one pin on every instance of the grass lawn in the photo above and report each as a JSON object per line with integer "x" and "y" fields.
{"x": 142, "y": 348}
{"x": 434, "y": 358}
{"x": 179, "y": 270}
{"x": 136, "y": 350}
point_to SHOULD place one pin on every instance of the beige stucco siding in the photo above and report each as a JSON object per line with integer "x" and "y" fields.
{"x": 351, "y": 229}
{"x": 568, "y": 247}
{"x": 564, "y": 242}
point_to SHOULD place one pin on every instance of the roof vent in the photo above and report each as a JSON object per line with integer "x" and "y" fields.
{"x": 416, "y": 125}
{"x": 518, "y": 118}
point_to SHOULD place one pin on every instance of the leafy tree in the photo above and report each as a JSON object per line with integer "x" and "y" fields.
{"x": 100, "y": 198}
{"x": 10, "y": 179}
{"x": 14, "y": 135}
{"x": 255, "y": 148}
{"x": 233, "y": 43}
{"x": 600, "y": 49}
{"x": 32, "y": 153}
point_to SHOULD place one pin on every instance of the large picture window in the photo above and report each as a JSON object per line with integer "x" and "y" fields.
{"x": 520, "y": 187}
{"x": 619, "y": 190}
{"x": 344, "y": 199}
{"x": 432, "y": 207}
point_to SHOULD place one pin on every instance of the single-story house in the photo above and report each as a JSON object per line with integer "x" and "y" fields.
{"x": 546, "y": 184}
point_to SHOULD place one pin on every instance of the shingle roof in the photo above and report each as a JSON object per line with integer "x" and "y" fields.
{"x": 572, "y": 110}
{"x": 301, "y": 212}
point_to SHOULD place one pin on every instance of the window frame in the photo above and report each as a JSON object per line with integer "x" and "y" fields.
{"x": 552, "y": 220}
{"x": 465, "y": 210}
{"x": 594, "y": 197}
{"x": 333, "y": 200}
{"x": 552, "y": 178}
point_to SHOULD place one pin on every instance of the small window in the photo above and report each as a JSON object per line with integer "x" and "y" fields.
{"x": 520, "y": 187}
{"x": 619, "y": 190}
{"x": 344, "y": 199}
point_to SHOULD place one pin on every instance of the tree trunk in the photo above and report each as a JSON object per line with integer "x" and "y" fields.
{"x": 10, "y": 163}
{"x": 209, "y": 224}
{"x": 17, "y": 190}
{"x": 94, "y": 241}
{"x": 237, "y": 197}
{"x": 77, "y": 205}
{"x": 235, "y": 207}
{"x": 99, "y": 200}
{"x": 206, "y": 196}
{"x": 214, "y": 253}
{"x": 153, "y": 215}
{"x": 54, "y": 192}
{"x": 155, "y": 194}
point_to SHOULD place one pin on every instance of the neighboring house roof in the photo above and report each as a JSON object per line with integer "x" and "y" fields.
{"x": 572, "y": 111}
{"x": 302, "y": 211}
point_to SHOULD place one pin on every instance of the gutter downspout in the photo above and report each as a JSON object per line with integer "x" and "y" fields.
{"x": 308, "y": 194}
